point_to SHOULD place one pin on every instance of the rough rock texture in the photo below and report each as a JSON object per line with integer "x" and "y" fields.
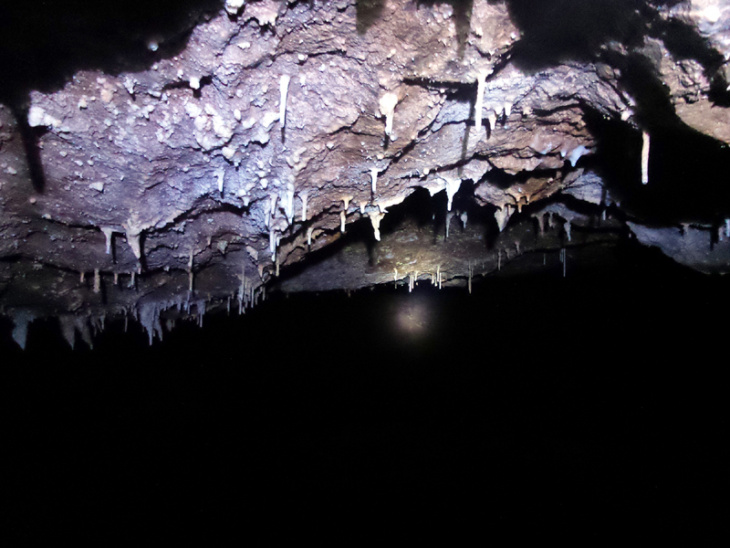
{"x": 241, "y": 141}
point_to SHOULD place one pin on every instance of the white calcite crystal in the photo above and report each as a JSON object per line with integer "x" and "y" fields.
{"x": 283, "y": 91}
{"x": 234, "y": 6}
{"x": 387, "y": 108}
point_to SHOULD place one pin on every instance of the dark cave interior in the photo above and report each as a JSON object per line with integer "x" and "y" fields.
{"x": 606, "y": 385}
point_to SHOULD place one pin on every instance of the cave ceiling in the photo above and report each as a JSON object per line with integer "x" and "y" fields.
{"x": 178, "y": 157}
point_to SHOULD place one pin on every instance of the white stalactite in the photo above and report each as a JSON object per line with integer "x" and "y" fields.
{"x": 502, "y": 216}
{"x": 492, "y": 120}
{"x": 242, "y": 292}
{"x": 68, "y": 329}
{"x": 108, "y": 234}
{"x": 288, "y": 203}
{"x": 645, "y": 144}
{"x": 21, "y": 320}
{"x": 283, "y": 90}
{"x": 273, "y": 197}
{"x": 387, "y": 109}
{"x": 343, "y": 220}
{"x": 191, "y": 276}
{"x": 272, "y": 243}
{"x": 97, "y": 281}
{"x": 303, "y": 196}
{"x": 133, "y": 239}
{"x": 374, "y": 179}
{"x": 452, "y": 187}
{"x": 375, "y": 218}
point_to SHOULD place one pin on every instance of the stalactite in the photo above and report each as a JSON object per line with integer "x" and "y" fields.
{"x": 303, "y": 196}
{"x": 133, "y": 239}
{"x": 108, "y": 235}
{"x": 191, "y": 275}
{"x": 374, "y": 179}
{"x": 502, "y": 216}
{"x": 273, "y": 197}
{"x": 288, "y": 203}
{"x": 452, "y": 187}
{"x": 645, "y": 144}
{"x": 387, "y": 108}
{"x": 375, "y": 218}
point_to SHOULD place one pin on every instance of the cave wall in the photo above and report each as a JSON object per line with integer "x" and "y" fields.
{"x": 207, "y": 157}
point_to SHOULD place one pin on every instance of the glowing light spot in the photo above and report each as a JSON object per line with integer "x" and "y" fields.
{"x": 412, "y": 316}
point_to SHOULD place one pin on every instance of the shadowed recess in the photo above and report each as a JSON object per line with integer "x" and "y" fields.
{"x": 555, "y": 31}
{"x": 73, "y": 35}
{"x": 368, "y": 12}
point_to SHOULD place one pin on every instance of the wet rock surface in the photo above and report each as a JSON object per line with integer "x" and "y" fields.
{"x": 309, "y": 146}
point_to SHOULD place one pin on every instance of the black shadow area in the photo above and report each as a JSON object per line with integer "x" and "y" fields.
{"x": 42, "y": 44}
{"x": 555, "y": 31}
{"x": 517, "y": 405}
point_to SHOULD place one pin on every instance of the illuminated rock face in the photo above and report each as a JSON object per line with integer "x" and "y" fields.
{"x": 192, "y": 172}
